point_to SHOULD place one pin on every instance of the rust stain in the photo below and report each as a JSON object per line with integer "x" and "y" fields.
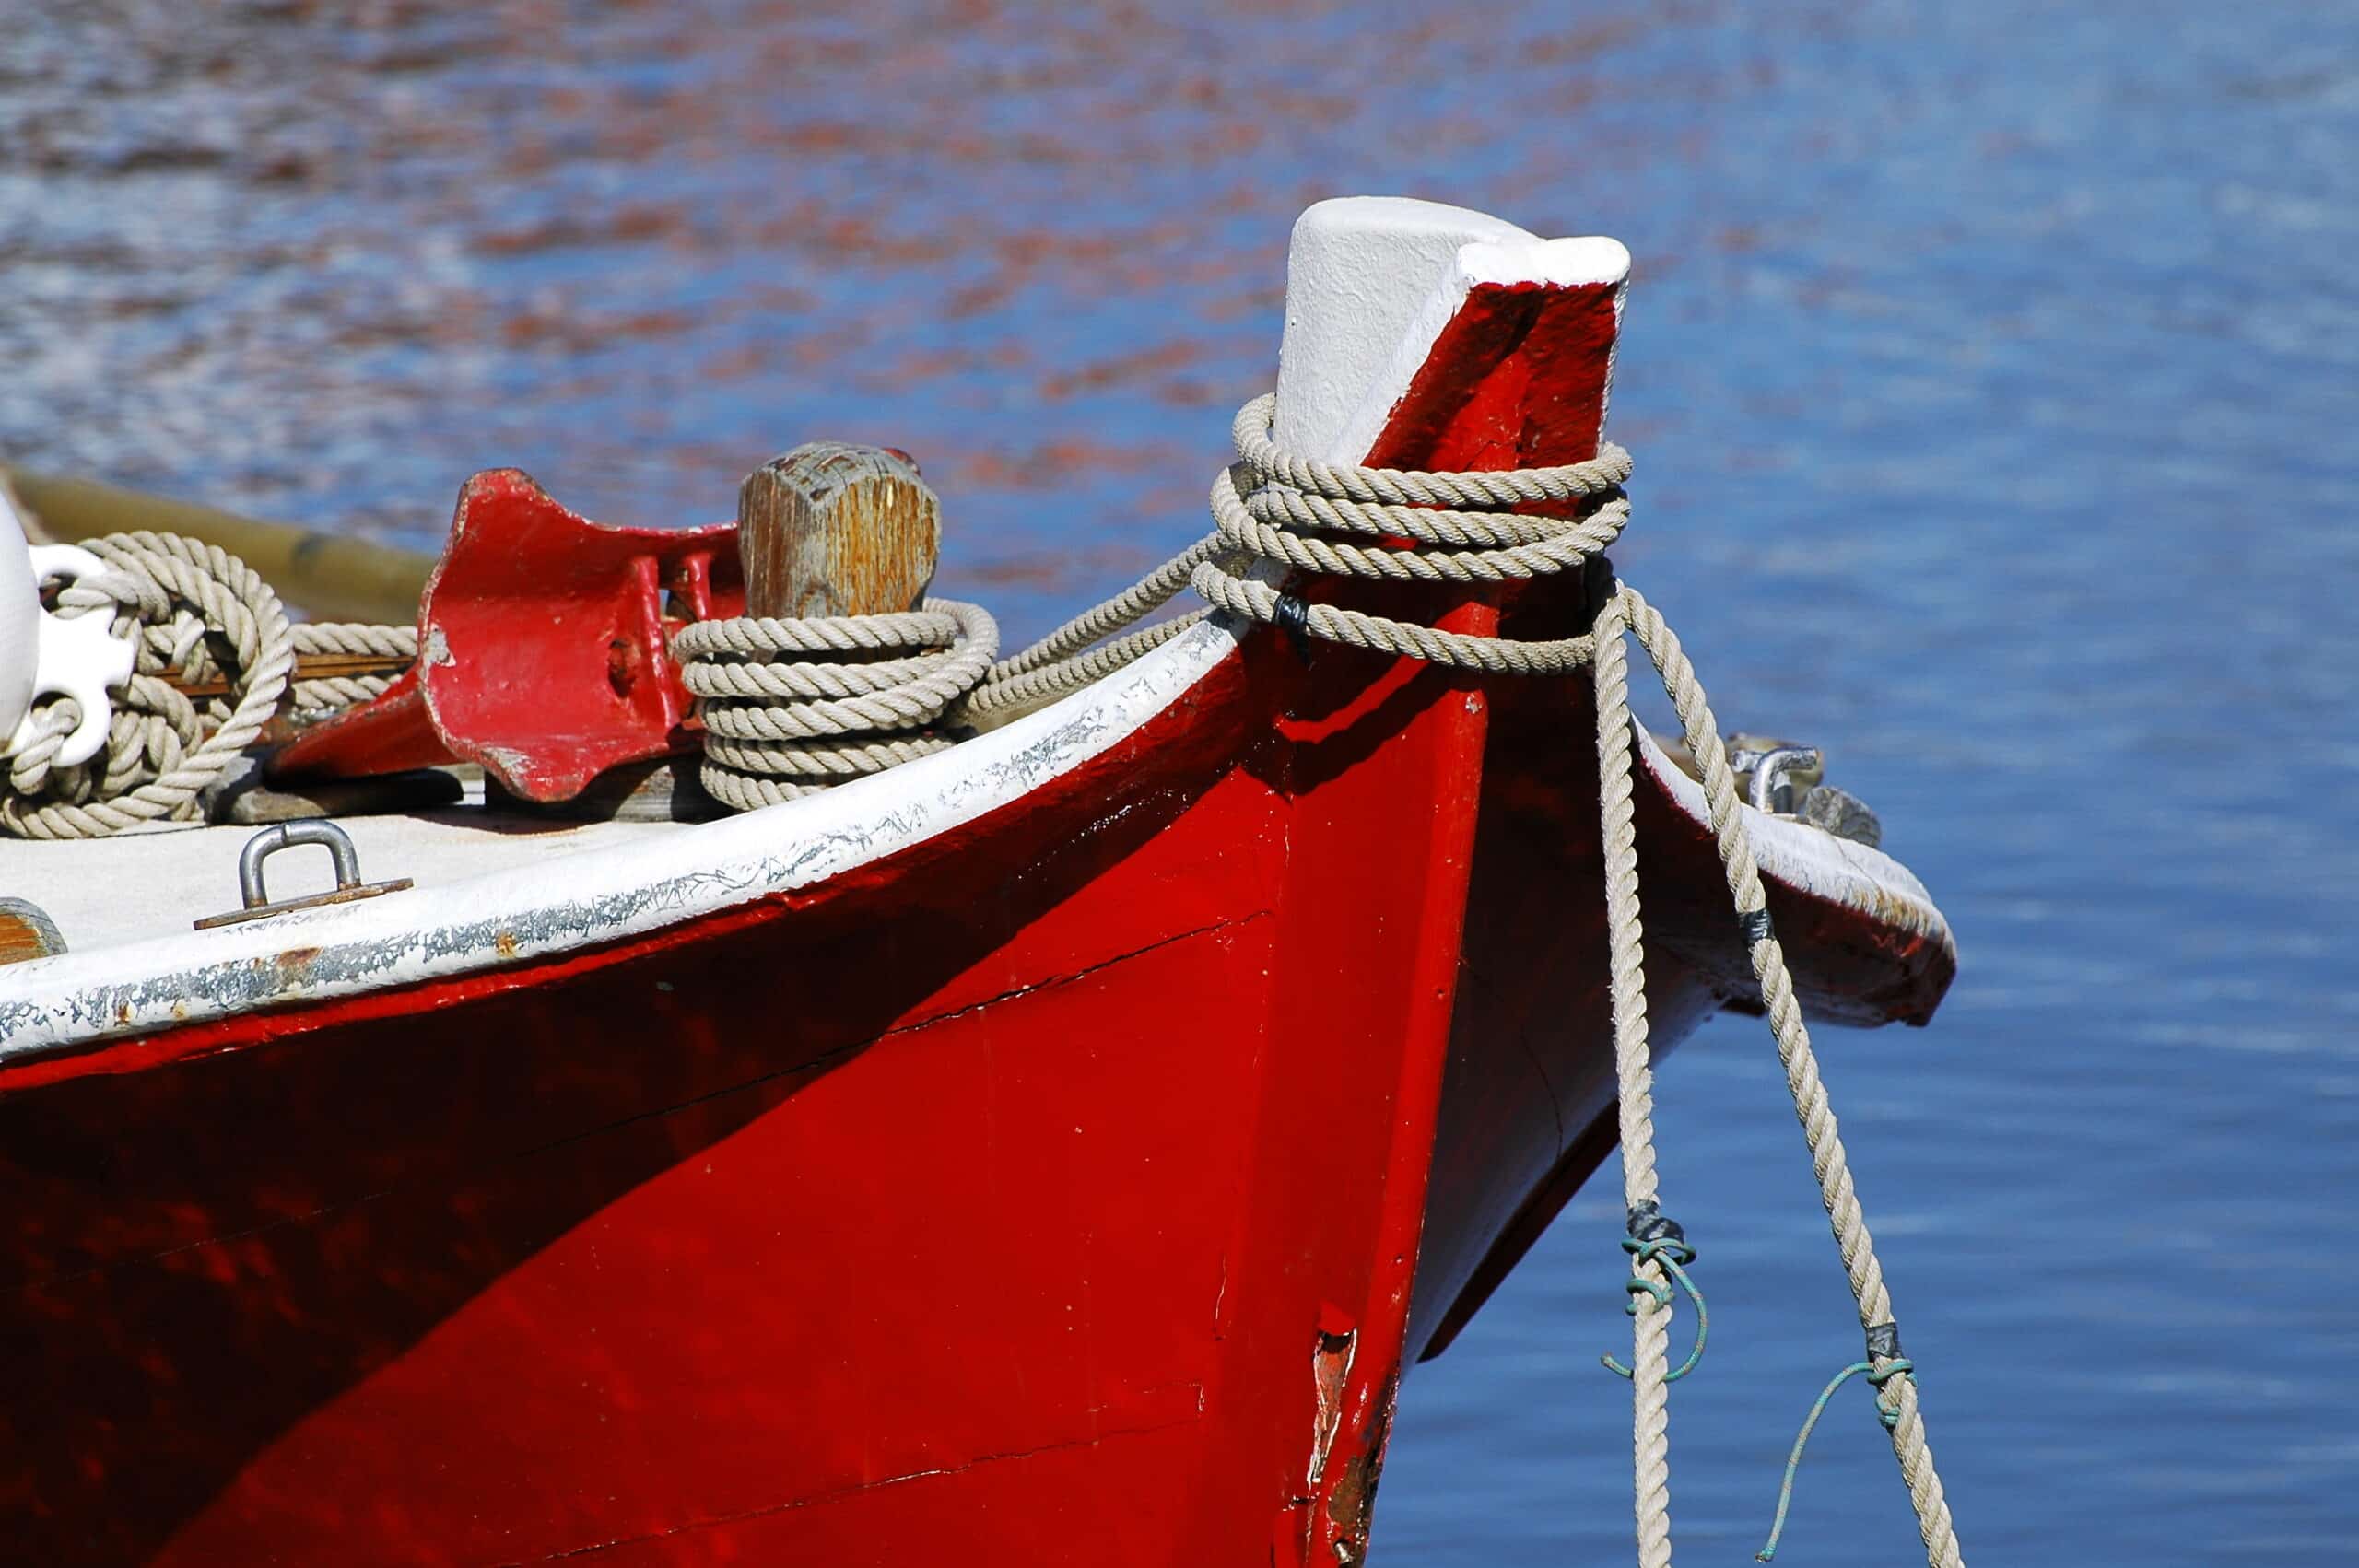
{"x": 1338, "y": 1532}
{"x": 505, "y": 945}
{"x": 1351, "y": 1506}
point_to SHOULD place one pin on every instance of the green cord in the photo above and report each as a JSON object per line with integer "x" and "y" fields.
{"x": 1887, "y": 1412}
{"x": 1670, "y": 1254}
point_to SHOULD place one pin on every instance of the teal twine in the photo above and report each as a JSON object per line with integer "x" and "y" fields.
{"x": 1887, "y": 1412}
{"x": 1671, "y": 1253}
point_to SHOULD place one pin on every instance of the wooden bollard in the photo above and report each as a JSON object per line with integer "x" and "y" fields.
{"x": 836, "y": 530}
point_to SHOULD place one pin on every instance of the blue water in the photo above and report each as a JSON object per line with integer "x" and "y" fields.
{"x": 1992, "y": 370}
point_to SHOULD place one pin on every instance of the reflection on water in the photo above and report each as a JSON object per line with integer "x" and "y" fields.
{"x": 1990, "y": 371}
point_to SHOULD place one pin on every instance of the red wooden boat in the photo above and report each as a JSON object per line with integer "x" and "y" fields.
{"x": 1053, "y": 1151}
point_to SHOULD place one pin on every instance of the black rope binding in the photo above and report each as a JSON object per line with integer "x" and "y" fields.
{"x": 1292, "y": 617}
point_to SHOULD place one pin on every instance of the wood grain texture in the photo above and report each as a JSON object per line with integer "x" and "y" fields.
{"x": 835, "y": 529}
{"x": 26, "y": 933}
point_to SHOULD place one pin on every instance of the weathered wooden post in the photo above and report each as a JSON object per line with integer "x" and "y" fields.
{"x": 836, "y": 530}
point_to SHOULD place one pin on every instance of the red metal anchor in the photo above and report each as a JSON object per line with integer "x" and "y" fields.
{"x": 543, "y": 649}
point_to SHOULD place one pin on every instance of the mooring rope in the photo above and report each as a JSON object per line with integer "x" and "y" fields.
{"x": 198, "y": 617}
{"x": 772, "y": 738}
{"x": 1813, "y": 1107}
{"x": 1333, "y": 519}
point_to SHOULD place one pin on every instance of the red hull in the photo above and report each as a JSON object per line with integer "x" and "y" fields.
{"x": 1008, "y": 1203}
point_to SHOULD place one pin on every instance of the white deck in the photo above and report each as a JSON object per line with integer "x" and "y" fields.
{"x": 155, "y": 881}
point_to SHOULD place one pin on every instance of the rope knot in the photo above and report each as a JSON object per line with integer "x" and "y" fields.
{"x": 1275, "y": 509}
{"x": 1888, "y": 1405}
{"x": 1656, "y": 1238}
{"x": 1654, "y": 1233}
{"x": 1885, "y": 1365}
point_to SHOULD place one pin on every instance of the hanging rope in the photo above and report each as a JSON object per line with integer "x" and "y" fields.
{"x": 1634, "y": 1098}
{"x": 1812, "y": 1106}
{"x": 214, "y": 655}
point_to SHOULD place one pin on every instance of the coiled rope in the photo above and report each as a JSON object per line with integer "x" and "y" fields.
{"x": 199, "y": 618}
{"x": 785, "y": 716}
{"x": 1334, "y": 520}
{"x": 795, "y": 705}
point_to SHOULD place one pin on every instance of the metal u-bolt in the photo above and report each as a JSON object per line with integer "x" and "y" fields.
{"x": 286, "y": 835}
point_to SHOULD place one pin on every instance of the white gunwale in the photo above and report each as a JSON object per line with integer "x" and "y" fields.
{"x": 594, "y": 896}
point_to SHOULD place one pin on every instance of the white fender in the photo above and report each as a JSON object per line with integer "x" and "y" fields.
{"x": 40, "y": 654}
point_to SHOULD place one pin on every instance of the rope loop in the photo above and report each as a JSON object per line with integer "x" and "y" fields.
{"x": 1276, "y": 513}
{"x": 1273, "y": 508}
{"x": 1878, "y": 1373}
{"x": 1672, "y": 1254}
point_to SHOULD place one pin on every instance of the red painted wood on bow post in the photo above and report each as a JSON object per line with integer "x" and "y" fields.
{"x": 1479, "y": 402}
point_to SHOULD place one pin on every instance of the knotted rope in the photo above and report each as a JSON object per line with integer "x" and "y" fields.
{"x": 1626, "y": 611}
{"x": 199, "y": 618}
{"x": 792, "y": 707}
